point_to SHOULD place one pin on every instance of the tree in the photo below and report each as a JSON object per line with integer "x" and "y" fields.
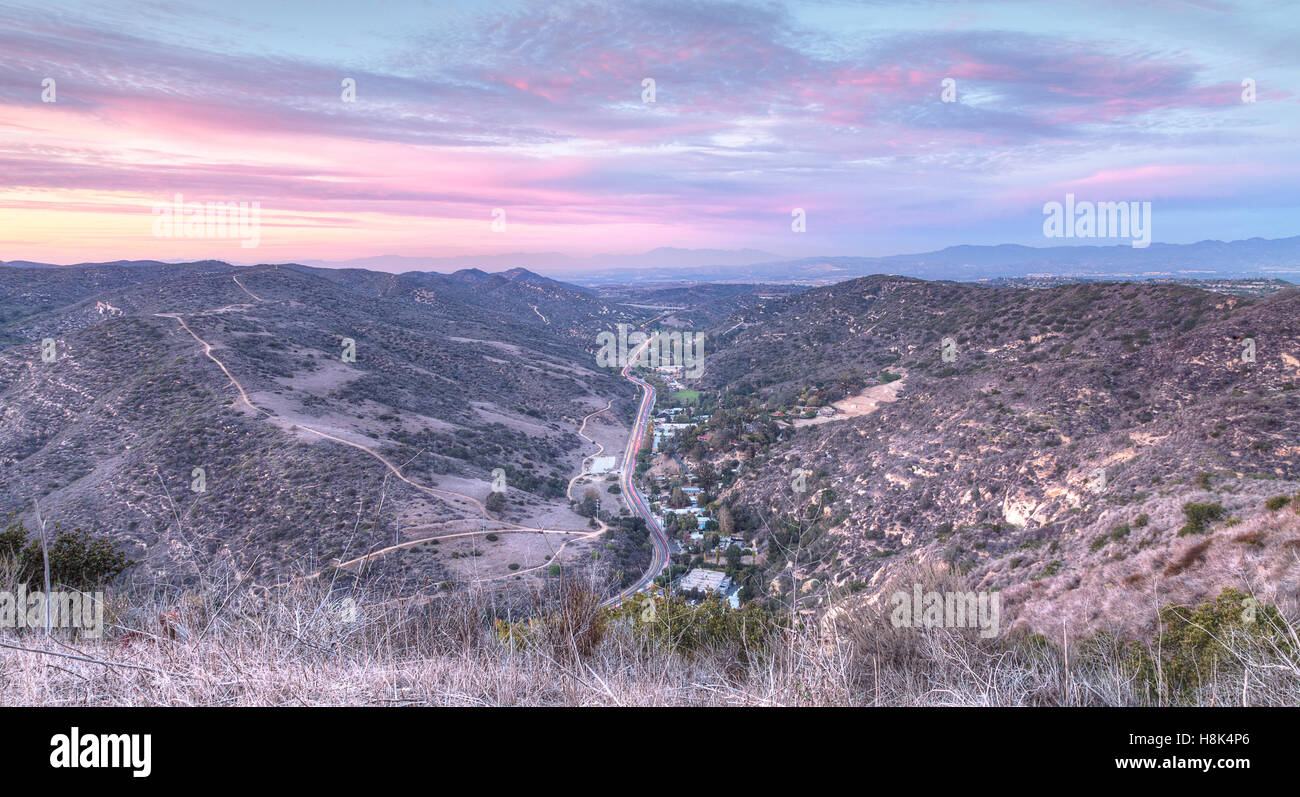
{"x": 725, "y": 522}
{"x": 590, "y": 503}
{"x": 76, "y": 559}
{"x": 496, "y": 501}
{"x": 678, "y": 499}
{"x": 733, "y": 557}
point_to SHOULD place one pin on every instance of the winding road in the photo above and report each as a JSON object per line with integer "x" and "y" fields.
{"x": 627, "y": 483}
{"x": 637, "y": 502}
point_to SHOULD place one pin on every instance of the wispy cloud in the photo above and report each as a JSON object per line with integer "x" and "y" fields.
{"x": 537, "y": 108}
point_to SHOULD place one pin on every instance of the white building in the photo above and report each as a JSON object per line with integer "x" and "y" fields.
{"x": 713, "y": 581}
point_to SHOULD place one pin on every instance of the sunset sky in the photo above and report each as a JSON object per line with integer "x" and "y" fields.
{"x": 536, "y": 108}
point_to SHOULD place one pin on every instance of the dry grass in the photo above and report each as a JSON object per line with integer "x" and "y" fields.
{"x": 299, "y": 648}
{"x": 1191, "y": 555}
{"x": 220, "y": 645}
{"x": 1120, "y": 593}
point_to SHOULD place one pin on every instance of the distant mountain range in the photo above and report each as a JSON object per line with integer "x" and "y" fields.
{"x": 558, "y": 263}
{"x": 1254, "y": 257}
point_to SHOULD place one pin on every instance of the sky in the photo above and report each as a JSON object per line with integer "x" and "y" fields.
{"x": 485, "y": 128}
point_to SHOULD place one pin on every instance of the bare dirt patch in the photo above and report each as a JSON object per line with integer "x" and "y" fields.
{"x": 864, "y": 403}
{"x": 478, "y": 558}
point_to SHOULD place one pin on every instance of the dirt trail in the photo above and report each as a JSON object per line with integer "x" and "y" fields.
{"x": 243, "y": 395}
{"x": 508, "y": 526}
{"x": 582, "y": 466}
{"x": 365, "y": 558}
{"x": 246, "y": 290}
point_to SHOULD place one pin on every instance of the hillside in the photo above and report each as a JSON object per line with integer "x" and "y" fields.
{"x": 1049, "y": 456}
{"x": 453, "y": 378}
{"x": 1050, "y": 459}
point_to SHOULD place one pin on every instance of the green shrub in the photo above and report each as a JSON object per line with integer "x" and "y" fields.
{"x": 1198, "y": 515}
{"x": 710, "y": 626}
{"x": 77, "y": 560}
{"x": 1197, "y": 643}
{"x": 1277, "y": 502}
{"x": 495, "y": 501}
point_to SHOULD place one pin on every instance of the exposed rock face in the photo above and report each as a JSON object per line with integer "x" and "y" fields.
{"x": 1066, "y": 415}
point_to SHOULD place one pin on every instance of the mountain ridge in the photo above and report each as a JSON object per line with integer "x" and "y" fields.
{"x": 1248, "y": 257}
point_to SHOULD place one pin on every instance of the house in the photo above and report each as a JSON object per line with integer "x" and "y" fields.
{"x": 691, "y": 510}
{"x": 682, "y": 522}
{"x": 713, "y": 581}
{"x": 667, "y": 430}
{"x": 704, "y": 581}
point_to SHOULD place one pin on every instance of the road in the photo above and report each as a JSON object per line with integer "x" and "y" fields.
{"x": 627, "y": 483}
{"x": 638, "y": 503}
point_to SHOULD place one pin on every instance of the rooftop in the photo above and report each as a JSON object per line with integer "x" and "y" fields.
{"x": 704, "y": 580}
